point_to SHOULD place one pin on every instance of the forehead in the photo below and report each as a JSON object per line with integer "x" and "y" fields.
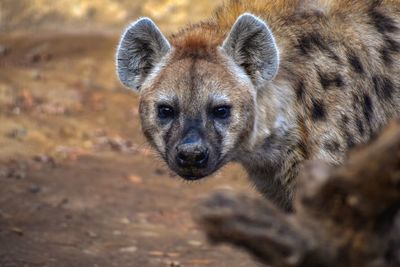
{"x": 193, "y": 80}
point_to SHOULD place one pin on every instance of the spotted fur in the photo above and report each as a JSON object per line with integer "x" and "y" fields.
{"x": 334, "y": 82}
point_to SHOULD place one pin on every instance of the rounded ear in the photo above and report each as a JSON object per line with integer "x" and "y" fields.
{"x": 141, "y": 47}
{"x": 252, "y": 46}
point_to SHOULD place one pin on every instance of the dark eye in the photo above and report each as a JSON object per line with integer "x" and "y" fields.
{"x": 222, "y": 112}
{"x": 165, "y": 112}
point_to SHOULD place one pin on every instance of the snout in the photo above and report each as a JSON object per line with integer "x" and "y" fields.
{"x": 192, "y": 158}
{"x": 192, "y": 155}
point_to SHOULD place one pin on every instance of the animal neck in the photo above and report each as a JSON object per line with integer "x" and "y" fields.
{"x": 276, "y": 129}
{"x": 275, "y": 114}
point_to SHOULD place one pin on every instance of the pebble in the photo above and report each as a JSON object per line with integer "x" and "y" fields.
{"x": 131, "y": 249}
{"x": 17, "y": 231}
{"x": 174, "y": 264}
{"x": 35, "y": 189}
{"x": 135, "y": 179}
{"x": 92, "y": 234}
{"x": 45, "y": 159}
{"x": 156, "y": 254}
{"x": 4, "y": 50}
{"x": 18, "y": 133}
{"x": 173, "y": 254}
{"x": 195, "y": 243}
{"x": 17, "y": 174}
{"x": 117, "y": 232}
{"x": 36, "y": 75}
{"x": 125, "y": 221}
{"x": 3, "y": 173}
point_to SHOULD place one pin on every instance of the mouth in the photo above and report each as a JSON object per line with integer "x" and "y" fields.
{"x": 195, "y": 174}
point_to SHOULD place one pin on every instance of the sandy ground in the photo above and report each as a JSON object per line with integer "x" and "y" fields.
{"x": 79, "y": 185}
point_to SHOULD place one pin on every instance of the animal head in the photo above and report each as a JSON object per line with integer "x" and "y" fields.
{"x": 198, "y": 89}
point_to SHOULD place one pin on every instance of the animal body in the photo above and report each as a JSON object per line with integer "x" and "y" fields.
{"x": 269, "y": 84}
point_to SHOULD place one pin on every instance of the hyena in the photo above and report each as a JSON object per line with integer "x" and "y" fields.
{"x": 268, "y": 84}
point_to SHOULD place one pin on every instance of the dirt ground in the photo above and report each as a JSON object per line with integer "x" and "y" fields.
{"x": 79, "y": 185}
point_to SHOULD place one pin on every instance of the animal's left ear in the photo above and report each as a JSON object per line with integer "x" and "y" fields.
{"x": 141, "y": 48}
{"x": 252, "y": 46}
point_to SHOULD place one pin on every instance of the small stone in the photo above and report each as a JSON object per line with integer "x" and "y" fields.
{"x": 4, "y": 50}
{"x": 42, "y": 158}
{"x": 63, "y": 202}
{"x": 131, "y": 249}
{"x": 125, "y": 221}
{"x": 17, "y": 231}
{"x": 135, "y": 179}
{"x": 88, "y": 252}
{"x": 149, "y": 234}
{"x": 174, "y": 264}
{"x": 35, "y": 189}
{"x": 199, "y": 262}
{"x": 173, "y": 254}
{"x": 156, "y": 253}
{"x": 92, "y": 234}
{"x": 3, "y": 173}
{"x": 117, "y": 232}
{"x": 38, "y": 57}
{"x": 17, "y": 174}
{"x": 195, "y": 243}
{"x": 16, "y": 111}
{"x": 36, "y": 75}
{"x": 18, "y": 133}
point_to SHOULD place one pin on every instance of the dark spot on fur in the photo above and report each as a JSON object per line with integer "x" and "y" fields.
{"x": 367, "y": 107}
{"x": 350, "y": 140}
{"x": 382, "y": 22}
{"x": 383, "y": 86}
{"x": 324, "y": 80}
{"x": 307, "y": 43}
{"x": 303, "y": 149}
{"x": 332, "y": 146}
{"x": 306, "y": 15}
{"x": 355, "y": 63}
{"x": 345, "y": 129}
{"x": 389, "y": 48}
{"x": 318, "y": 110}
{"x": 338, "y": 81}
{"x": 328, "y": 80}
{"x": 300, "y": 91}
{"x": 345, "y": 119}
{"x": 392, "y": 45}
{"x": 360, "y": 126}
{"x": 386, "y": 55}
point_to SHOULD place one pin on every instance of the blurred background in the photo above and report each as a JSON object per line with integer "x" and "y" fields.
{"x": 79, "y": 186}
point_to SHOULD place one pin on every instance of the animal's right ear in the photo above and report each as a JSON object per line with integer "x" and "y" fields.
{"x": 141, "y": 47}
{"x": 252, "y": 46}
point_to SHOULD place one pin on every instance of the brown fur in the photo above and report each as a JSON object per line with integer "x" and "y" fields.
{"x": 338, "y": 84}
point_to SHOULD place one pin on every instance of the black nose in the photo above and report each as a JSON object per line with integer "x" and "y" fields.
{"x": 192, "y": 156}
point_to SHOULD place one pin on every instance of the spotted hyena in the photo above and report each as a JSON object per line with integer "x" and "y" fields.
{"x": 268, "y": 84}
